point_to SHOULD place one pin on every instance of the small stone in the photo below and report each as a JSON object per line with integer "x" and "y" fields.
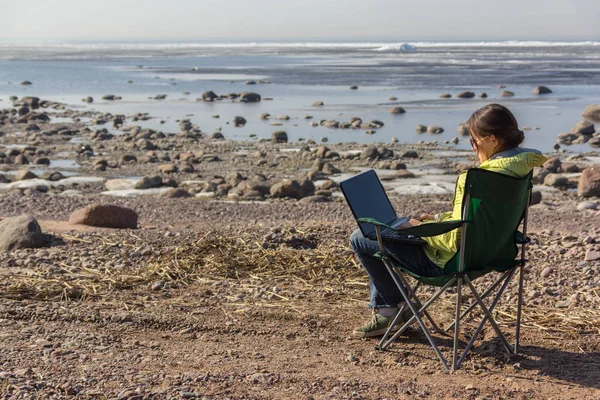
{"x": 158, "y": 285}
{"x": 592, "y": 255}
{"x": 546, "y": 272}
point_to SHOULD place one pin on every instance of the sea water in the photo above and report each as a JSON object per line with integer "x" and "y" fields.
{"x": 302, "y": 73}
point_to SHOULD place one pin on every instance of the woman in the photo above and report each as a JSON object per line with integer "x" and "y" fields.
{"x": 495, "y": 137}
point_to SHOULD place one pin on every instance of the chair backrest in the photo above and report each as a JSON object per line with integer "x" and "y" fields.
{"x": 496, "y": 206}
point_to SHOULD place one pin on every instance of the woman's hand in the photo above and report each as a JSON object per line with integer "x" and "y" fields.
{"x": 426, "y": 217}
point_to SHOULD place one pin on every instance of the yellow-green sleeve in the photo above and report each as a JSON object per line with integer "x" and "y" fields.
{"x": 450, "y": 241}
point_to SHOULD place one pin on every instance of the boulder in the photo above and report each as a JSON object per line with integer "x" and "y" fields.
{"x": 556, "y": 180}
{"x": 567, "y": 137}
{"x": 239, "y": 121}
{"x": 160, "y": 97}
{"x": 370, "y": 153}
{"x": 26, "y": 83}
{"x": 594, "y": 142}
{"x": 249, "y": 97}
{"x": 209, "y": 95}
{"x": 539, "y": 174}
{"x": 20, "y": 232}
{"x": 463, "y": 130}
{"x": 264, "y": 116}
{"x": 541, "y": 90}
{"x": 168, "y": 168}
{"x": 592, "y": 113}
{"x": 108, "y": 97}
{"x": 403, "y": 173}
{"x": 397, "y": 110}
{"x": 553, "y": 165}
{"x": 149, "y": 182}
{"x": 445, "y": 96}
{"x": 106, "y": 216}
{"x": 279, "y": 137}
{"x": 175, "y": 193}
{"x": 465, "y": 95}
{"x": 25, "y": 174}
{"x": 584, "y": 128}
{"x": 421, "y": 128}
{"x": 435, "y": 129}
{"x": 536, "y": 198}
{"x": 589, "y": 182}
{"x": 318, "y": 104}
{"x": 217, "y": 136}
{"x": 506, "y": 93}
{"x": 410, "y": 154}
{"x": 292, "y": 188}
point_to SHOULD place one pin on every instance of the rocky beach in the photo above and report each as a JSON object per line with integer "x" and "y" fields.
{"x": 171, "y": 225}
{"x": 138, "y": 263}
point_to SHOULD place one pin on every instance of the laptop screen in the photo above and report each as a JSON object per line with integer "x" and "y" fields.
{"x": 367, "y": 198}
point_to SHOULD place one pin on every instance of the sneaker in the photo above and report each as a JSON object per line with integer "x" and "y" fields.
{"x": 378, "y": 325}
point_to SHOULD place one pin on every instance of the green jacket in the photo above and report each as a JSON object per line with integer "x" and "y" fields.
{"x": 516, "y": 162}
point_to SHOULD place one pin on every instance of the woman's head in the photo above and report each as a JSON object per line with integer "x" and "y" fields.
{"x": 493, "y": 129}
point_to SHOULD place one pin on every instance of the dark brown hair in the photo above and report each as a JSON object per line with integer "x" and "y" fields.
{"x": 497, "y": 120}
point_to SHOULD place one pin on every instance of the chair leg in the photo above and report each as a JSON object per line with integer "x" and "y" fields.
{"x": 483, "y": 296}
{"x": 400, "y": 284}
{"x": 484, "y": 319}
{"x": 519, "y": 310}
{"x": 421, "y": 310}
{"x": 456, "y": 323}
{"x": 413, "y": 294}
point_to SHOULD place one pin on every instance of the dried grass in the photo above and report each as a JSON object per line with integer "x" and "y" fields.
{"x": 329, "y": 268}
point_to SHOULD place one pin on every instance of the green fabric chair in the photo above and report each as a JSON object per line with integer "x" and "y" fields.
{"x": 494, "y": 205}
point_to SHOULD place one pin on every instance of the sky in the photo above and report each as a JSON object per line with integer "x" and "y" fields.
{"x": 278, "y": 20}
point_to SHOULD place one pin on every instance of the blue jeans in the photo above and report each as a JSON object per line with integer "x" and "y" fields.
{"x": 384, "y": 292}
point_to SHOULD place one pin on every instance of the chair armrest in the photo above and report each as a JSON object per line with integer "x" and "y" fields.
{"x": 422, "y": 230}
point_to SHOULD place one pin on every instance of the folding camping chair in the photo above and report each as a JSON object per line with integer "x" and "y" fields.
{"x": 494, "y": 205}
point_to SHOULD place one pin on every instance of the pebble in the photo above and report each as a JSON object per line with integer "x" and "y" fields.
{"x": 158, "y": 285}
{"x": 546, "y": 272}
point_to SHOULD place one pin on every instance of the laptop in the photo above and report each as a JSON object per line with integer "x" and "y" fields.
{"x": 367, "y": 198}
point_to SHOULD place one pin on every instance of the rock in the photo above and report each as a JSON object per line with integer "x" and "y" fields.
{"x": 20, "y": 232}
{"x": 25, "y": 174}
{"x": 536, "y": 198}
{"x": 217, "y": 136}
{"x": 483, "y": 95}
{"x": 589, "y": 182}
{"x": 556, "y": 180}
{"x": 539, "y": 174}
{"x": 463, "y": 130}
{"x": 435, "y": 129}
{"x": 546, "y": 272}
{"x": 454, "y": 140}
{"x": 592, "y": 113}
{"x": 369, "y": 153}
{"x": 144, "y": 144}
{"x": 209, "y": 95}
{"x": 175, "y": 193}
{"x": 26, "y": 83}
{"x": 402, "y": 173}
{"x": 105, "y": 215}
{"x": 315, "y": 199}
{"x": 397, "y": 110}
{"x": 410, "y": 154}
{"x": 264, "y": 116}
{"x": 185, "y": 126}
{"x": 594, "y": 142}
{"x": 567, "y": 137}
{"x": 160, "y": 97}
{"x": 239, "y": 121}
{"x": 88, "y": 99}
{"x": 148, "y": 182}
{"x": 108, "y": 97}
{"x": 249, "y": 97}
{"x": 553, "y": 165}
{"x": 168, "y": 168}
{"x": 279, "y": 137}
{"x": 506, "y": 93}
{"x": 541, "y": 90}
{"x": 421, "y": 128}
{"x": 465, "y": 95}
{"x": 592, "y": 255}
{"x": 587, "y": 205}
{"x": 353, "y": 87}
{"x": 584, "y": 128}
{"x": 318, "y": 104}
{"x": 445, "y": 96}
{"x": 21, "y": 160}
{"x": 158, "y": 285}
{"x": 330, "y": 169}
{"x": 292, "y": 188}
